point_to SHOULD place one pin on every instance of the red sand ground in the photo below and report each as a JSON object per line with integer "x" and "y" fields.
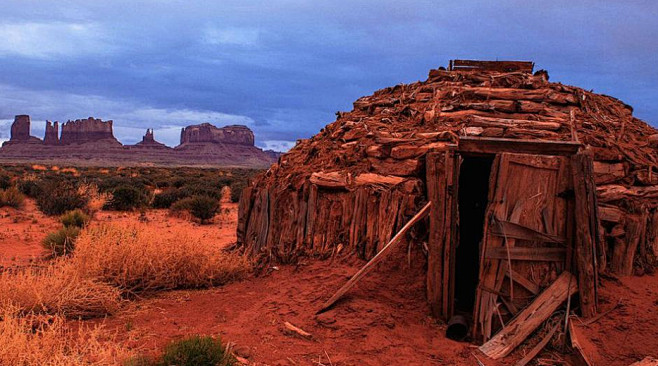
{"x": 382, "y": 321}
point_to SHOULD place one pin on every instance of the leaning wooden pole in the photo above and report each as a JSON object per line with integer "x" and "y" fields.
{"x": 377, "y": 258}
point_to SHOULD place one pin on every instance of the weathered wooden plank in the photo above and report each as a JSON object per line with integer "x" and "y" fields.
{"x": 517, "y": 231}
{"x": 435, "y": 193}
{"x": 610, "y": 213}
{"x": 490, "y": 145}
{"x": 624, "y": 250}
{"x": 377, "y": 179}
{"x": 329, "y": 179}
{"x": 528, "y": 254}
{"x": 536, "y": 349}
{"x": 531, "y": 317}
{"x": 521, "y": 280}
{"x": 586, "y": 232}
{"x": 482, "y": 121}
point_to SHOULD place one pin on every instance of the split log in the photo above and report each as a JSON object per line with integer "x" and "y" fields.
{"x": 481, "y": 121}
{"x": 376, "y": 151}
{"x": 402, "y": 168}
{"x": 376, "y": 259}
{"x": 624, "y": 250}
{"x": 329, "y": 180}
{"x": 410, "y": 151}
{"x": 587, "y": 227}
{"x": 377, "y": 179}
{"x": 610, "y": 213}
{"x": 608, "y": 173}
{"x": 531, "y": 317}
{"x": 616, "y": 192}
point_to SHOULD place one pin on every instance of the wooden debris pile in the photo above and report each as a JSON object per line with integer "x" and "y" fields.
{"x": 351, "y": 187}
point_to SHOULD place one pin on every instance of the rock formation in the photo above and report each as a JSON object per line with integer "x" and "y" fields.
{"x": 148, "y": 141}
{"x": 91, "y": 142}
{"x": 206, "y": 132}
{"x": 20, "y": 129}
{"x": 52, "y": 133}
{"x": 87, "y": 130}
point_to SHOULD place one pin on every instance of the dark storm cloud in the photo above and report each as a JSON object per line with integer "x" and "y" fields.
{"x": 285, "y": 67}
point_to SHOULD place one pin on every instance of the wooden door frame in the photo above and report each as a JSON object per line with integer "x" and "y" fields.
{"x": 443, "y": 187}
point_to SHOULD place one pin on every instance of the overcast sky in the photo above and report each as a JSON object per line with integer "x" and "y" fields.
{"x": 284, "y": 68}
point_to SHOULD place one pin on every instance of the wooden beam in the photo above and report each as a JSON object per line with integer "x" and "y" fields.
{"x": 517, "y": 231}
{"x": 377, "y": 258}
{"x": 521, "y": 280}
{"x": 531, "y": 317}
{"x": 586, "y": 230}
{"x": 528, "y": 254}
{"x": 471, "y": 144}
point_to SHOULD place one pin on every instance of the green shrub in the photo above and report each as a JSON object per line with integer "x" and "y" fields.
{"x": 5, "y": 180}
{"x": 126, "y": 198}
{"x": 29, "y": 187}
{"x": 11, "y": 197}
{"x": 61, "y": 242}
{"x": 75, "y": 218}
{"x": 55, "y": 198}
{"x": 196, "y": 351}
{"x": 184, "y": 204}
{"x": 167, "y": 198}
{"x": 236, "y": 190}
{"x": 203, "y": 208}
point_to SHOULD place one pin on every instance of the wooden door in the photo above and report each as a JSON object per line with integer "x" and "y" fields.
{"x": 525, "y": 243}
{"x": 442, "y": 181}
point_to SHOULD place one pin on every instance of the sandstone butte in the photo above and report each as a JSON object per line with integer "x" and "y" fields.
{"x": 91, "y": 141}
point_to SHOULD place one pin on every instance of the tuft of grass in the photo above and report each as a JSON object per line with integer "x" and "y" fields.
{"x": 76, "y": 218}
{"x": 11, "y": 197}
{"x": 196, "y": 351}
{"x": 140, "y": 259}
{"x": 62, "y": 241}
{"x": 35, "y": 340}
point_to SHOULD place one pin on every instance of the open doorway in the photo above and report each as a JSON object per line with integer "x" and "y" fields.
{"x": 473, "y": 195}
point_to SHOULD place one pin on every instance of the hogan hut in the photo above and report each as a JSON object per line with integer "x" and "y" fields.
{"x": 529, "y": 181}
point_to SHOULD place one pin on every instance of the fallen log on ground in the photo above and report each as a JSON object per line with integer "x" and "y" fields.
{"x": 531, "y": 317}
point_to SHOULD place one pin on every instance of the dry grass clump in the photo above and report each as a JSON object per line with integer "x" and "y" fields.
{"x": 140, "y": 259}
{"x": 59, "y": 288}
{"x": 27, "y": 340}
{"x": 111, "y": 261}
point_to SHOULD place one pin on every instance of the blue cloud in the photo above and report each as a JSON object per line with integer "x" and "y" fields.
{"x": 288, "y": 65}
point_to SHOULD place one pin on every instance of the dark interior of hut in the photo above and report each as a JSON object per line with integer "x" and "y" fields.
{"x": 473, "y": 192}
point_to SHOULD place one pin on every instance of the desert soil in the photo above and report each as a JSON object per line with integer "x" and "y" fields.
{"x": 383, "y": 321}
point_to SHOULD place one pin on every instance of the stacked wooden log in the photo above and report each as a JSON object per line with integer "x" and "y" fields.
{"x": 351, "y": 186}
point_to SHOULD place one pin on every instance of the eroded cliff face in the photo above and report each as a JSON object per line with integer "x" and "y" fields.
{"x": 205, "y": 132}
{"x": 86, "y": 130}
{"x": 20, "y": 132}
{"x": 52, "y": 133}
{"x": 20, "y": 129}
{"x": 91, "y": 142}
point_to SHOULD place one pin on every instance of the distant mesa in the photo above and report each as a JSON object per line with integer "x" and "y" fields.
{"x": 91, "y": 141}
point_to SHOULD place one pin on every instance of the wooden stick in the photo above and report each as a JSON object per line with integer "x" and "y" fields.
{"x": 297, "y": 330}
{"x": 536, "y": 349}
{"x": 377, "y": 258}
